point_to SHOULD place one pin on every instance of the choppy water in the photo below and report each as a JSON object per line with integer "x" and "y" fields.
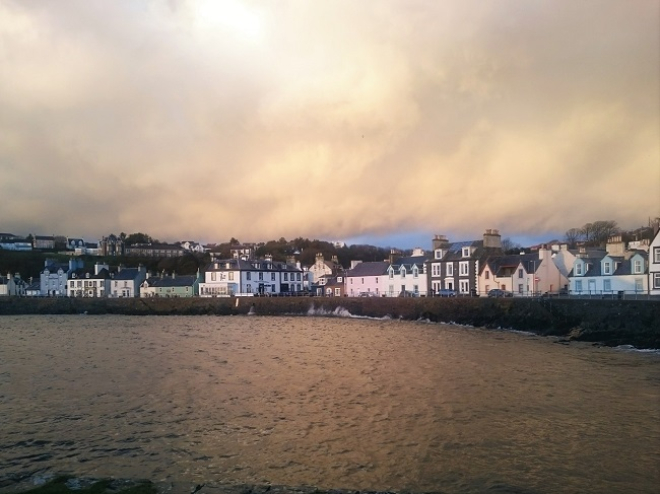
{"x": 325, "y": 401}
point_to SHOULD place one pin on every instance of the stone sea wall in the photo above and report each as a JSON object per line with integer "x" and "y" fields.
{"x": 610, "y": 322}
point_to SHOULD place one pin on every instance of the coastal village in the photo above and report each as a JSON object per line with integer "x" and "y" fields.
{"x": 448, "y": 268}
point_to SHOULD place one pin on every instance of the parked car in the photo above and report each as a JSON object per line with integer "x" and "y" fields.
{"x": 445, "y": 292}
{"x": 496, "y": 292}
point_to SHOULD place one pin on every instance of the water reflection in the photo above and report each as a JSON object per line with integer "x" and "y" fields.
{"x": 325, "y": 401}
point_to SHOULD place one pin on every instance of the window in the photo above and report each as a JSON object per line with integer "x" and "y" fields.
{"x": 248, "y": 275}
{"x": 416, "y": 288}
{"x": 656, "y": 280}
{"x": 607, "y": 268}
{"x": 438, "y": 254}
{"x": 337, "y": 292}
{"x": 361, "y": 281}
{"x": 415, "y": 273}
{"x": 272, "y": 276}
{"x": 436, "y": 286}
{"x": 340, "y": 279}
{"x": 231, "y": 276}
{"x": 487, "y": 275}
{"x": 435, "y": 269}
{"x": 520, "y": 288}
{"x": 639, "y": 284}
{"x": 466, "y": 252}
{"x": 450, "y": 269}
{"x": 212, "y": 276}
{"x": 298, "y": 277}
{"x": 286, "y": 276}
{"x": 464, "y": 268}
{"x": 391, "y": 273}
{"x": 656, "y": 255}
{"x": 403, "y": 272}
{"x": 578, "y": 269}
{"x": 464, "y": 286}
{"x": 637, "y": 266}
{"x": 578, "y": 286}
{"x": 607, "y": 285}
{"x": 520, "y": 274}
{"x": 261, "y": 277}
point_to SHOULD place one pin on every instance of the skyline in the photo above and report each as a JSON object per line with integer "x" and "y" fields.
{"x": 333, "y": 120}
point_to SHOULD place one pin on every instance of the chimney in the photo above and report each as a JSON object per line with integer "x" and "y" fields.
{"x": 440, "y": 242}
{"x": 418, "y": 251}
{"x": 492, "y": 239}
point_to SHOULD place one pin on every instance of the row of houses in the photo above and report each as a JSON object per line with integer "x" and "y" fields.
{"x": 468, "y": 268}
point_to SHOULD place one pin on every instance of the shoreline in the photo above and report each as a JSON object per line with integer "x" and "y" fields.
{"x": 607, "y": 322}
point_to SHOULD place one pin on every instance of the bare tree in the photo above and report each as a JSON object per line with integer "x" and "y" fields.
{"x": 572, "y": 236}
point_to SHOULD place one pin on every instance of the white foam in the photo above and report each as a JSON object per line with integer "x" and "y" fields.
{"x": 342, "y": 312}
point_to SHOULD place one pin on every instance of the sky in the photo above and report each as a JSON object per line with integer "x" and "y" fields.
{"x": 381, "y": 122}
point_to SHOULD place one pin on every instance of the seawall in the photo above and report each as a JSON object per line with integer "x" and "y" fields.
{"x": 610, "y": 322}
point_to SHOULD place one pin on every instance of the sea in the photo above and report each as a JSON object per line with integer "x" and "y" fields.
{"x": 327, "y": 401}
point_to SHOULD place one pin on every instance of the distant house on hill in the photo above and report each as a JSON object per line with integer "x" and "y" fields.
{"x": 43, "y": 242}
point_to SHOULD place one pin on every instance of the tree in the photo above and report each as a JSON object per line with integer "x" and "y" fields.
{"x": 598, "y": 232}
{"x": 572, "y": 236}
{"x": 138, "y": 238}
{"x": 510, "y": 247}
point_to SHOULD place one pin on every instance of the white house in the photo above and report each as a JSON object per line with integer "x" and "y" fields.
{"x": 86, "y": 284}
{"x": 55, "y": 275}
{"x": 223, "y": 278}
{"x": 407, "y": 276}
{"x": 191, "y": 246}
{"x": 126, "y": 282}
{"x": 12, "y": 286}
{"x": 609, "y": 274}
{"x": 654, "y": 265}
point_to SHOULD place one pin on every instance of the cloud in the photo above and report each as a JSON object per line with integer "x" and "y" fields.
{"x": 327, "y": 119}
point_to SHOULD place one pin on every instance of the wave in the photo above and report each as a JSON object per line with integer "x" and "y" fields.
{"x": 630, "y": 348}
{"x": 342, "y": 312}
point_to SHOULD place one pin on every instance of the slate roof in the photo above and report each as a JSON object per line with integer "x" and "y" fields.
{"x": 169, "y": 282}
{"x": 378, "y": 268}
{"x": 408, "y": 262}
{"x": 498, "y": 265}
{"x": 127, "y": 274}
{"x": 258, "y": 265}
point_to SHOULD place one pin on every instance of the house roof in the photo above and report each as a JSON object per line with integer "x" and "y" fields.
{"x": 499, "y": 264}
{"x": 377, "y": 268}
{"x": 127, "y": 274}
{"x": 409, "y": 262}
{"x": 255, "y": 265}
{"x": 168, "y": 281}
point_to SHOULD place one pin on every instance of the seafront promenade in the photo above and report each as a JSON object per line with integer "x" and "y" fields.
{"x": 608, "y": 322}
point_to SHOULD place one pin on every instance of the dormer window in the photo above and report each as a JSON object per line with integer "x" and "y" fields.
{"x": 391, "y": 273}
{"x": 438, "y": 253}
{"x": 607, "y": 268}
{"x": 466, "y": 252}
{"x": 637, "y": 266}
{"x": 578, "y": 269}
{"x": 340, "y": 279}
{"x": 403, "y": 272}
{"x": 415, "y": 273}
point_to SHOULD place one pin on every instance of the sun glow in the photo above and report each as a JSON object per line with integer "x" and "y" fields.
{"x": 228, "y": 15}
